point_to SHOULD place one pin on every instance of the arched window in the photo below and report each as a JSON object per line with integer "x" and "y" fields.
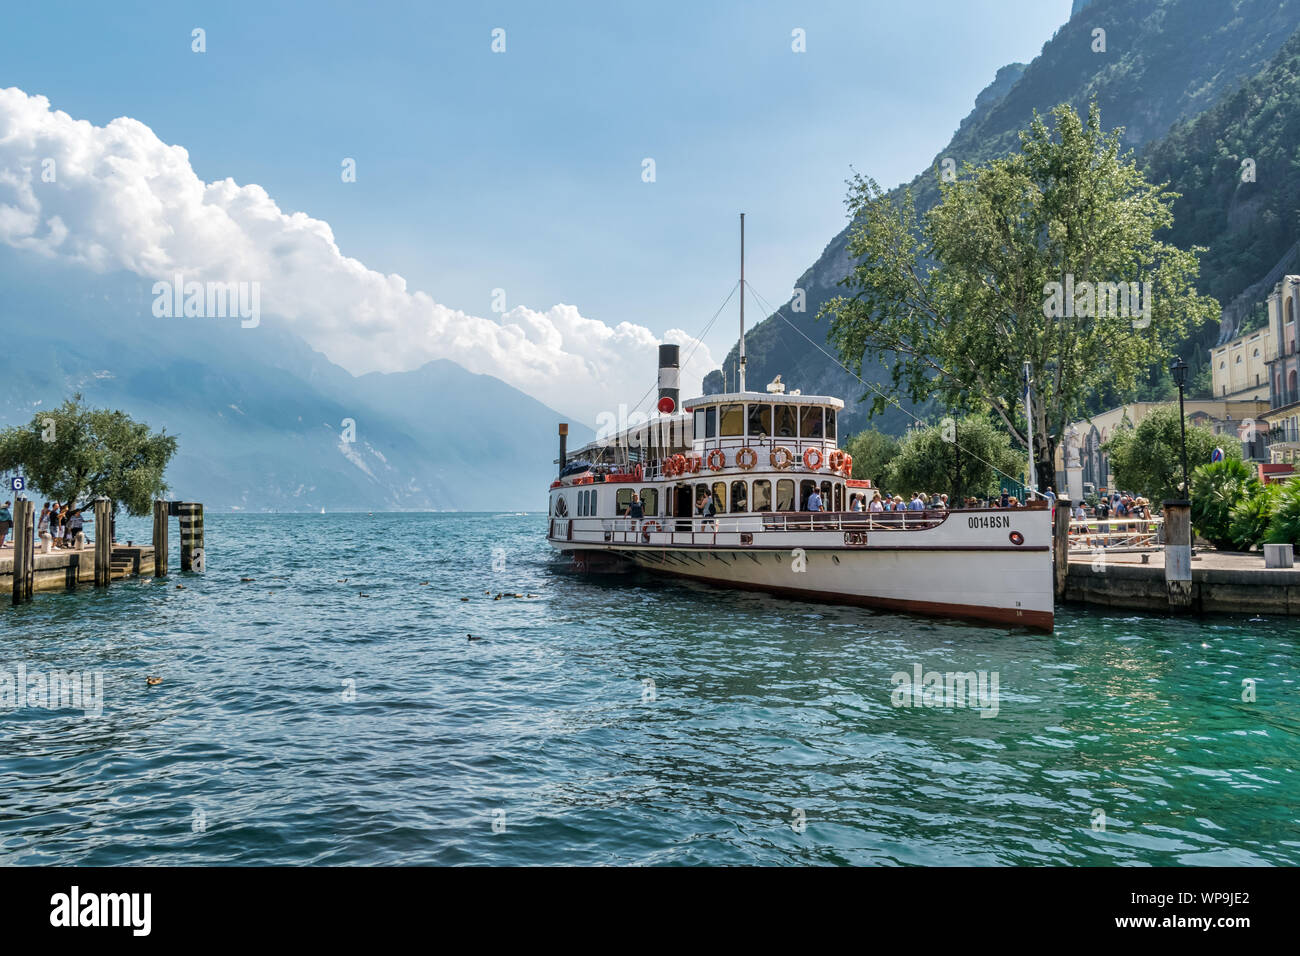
{"x": 785, "y": 495}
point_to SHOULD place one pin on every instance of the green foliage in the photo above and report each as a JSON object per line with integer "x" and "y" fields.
{"x": 957, "y": 300}
{"x": 1147, "y": 459}
{"x": 926, "y": 459}
{"x": 1216, "y": 489}
{"x": 1252, "y": 516}
{"x": 75, "y": 453}
{"x": 1243, "y": 213}
{"x": 872, "y": 452}
{"x": 1285, "y": 526}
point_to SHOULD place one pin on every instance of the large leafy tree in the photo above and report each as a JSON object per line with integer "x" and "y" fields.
{"x": 927, "y": 459}
{"x": 872, "y": 452}
{"x": 1148, "y": 459}
{"x": 959, "y": 300}
{"x": 75, "y": 453}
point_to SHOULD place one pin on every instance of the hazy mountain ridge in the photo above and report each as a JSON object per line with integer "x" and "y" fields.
{"x": 260, "y": 415}
{"x": 1167, "y": 61}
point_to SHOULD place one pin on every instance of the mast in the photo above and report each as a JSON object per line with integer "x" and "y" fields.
{"x": 742, "y": 302}
{"x": 1029, "y": 436}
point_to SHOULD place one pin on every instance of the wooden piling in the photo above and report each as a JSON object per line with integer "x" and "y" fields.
{"x": 1178, "y": 553}
{"x": 160, "y": 513}
{"x": 103, "y": 542}
{"x": 24, "y": 550}
{"x": 191, "y": 520}
{"x": 1061, "y": 545}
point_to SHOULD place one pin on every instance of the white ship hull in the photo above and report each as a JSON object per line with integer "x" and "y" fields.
{"x": 985, "y": 564}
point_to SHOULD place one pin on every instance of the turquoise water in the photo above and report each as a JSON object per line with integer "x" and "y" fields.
{"x": 769, "y": 735}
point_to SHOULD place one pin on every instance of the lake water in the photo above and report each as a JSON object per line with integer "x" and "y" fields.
{"x": 298, "y": 722}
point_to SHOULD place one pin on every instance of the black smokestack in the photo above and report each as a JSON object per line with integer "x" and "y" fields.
{"x": 669, "y": 377}
{"x": 564, "y": 442}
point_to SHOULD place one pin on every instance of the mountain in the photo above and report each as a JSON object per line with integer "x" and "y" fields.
{"x": 1166, "y": 62}
{"x": 260, "y": 416}
{"x": 1237, "y": 168}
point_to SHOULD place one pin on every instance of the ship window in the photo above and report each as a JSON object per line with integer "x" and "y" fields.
{"x": 839, "y": 497}
{"x": 762, "y": 496}
{"x": 699, "y": 490}
{"x": 720, "y": 497}
{"x": 760, "y": 420}
{"x": 710, "y": 422}
{"x": 739, "y": 496}
{"x": 830, "y": 423}
{"x": 561, "y": 507}
{"x": 826, "y": 495}
{"x": 650, "y": 501}
{"x": 810, "y": 421}
{"x": 785, "y": 421}
{"x": 806, "y": 489}
{"x": 622, "y": 500}
{"x": 732, "y": 420}
{"x": 699, "y": 421}
{"x": 785, "y": 495}
{"x": 582, "y": 503}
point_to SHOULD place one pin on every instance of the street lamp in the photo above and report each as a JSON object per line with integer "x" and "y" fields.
{"x": 1178, "y": 369}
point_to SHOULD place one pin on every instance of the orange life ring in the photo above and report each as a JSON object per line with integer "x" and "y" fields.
{"x": 748, "y": 455}
{"x": 637, "y": 473}
{"x": 848, "y": 465}
{"x": 721, "y": 458}
{"x": 808, "y": 455}
{"x": 786, "y": 460}
{"x": 646, "y": 529}
{"x": 669, "y": 467}
{"x": 696, "y": 464}
{"x": 835, "y": 460}
{"x": 679, "y": 464}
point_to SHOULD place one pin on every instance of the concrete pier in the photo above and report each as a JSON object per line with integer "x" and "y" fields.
{"x": 1218, "y": 583}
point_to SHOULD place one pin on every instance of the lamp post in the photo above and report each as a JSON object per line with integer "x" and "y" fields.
{"x": 1178, "y": 369}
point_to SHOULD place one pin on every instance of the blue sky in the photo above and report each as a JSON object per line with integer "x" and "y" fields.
{"x": 522, "y": 170}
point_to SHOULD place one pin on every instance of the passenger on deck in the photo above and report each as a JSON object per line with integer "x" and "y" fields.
{"x": 635, "y": 510}
{"x": 814, "y": 500}
{"x": 876, "y": 503}
{"x": 704, "y": 506}
{"x": 917, "y": 503}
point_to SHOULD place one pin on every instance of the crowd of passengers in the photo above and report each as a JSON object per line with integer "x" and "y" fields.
{"x": 705, "y": 505}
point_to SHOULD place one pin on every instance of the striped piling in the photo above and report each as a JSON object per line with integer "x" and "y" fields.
{"x": 191, "y": 520}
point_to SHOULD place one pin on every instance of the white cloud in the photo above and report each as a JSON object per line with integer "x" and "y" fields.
{"x": 123, "y": 199}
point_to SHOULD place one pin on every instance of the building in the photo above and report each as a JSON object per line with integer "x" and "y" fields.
{"x": 1239, "y": 369}
{"x": 1244, "y": 420}
{"x": 1284, "y": 370}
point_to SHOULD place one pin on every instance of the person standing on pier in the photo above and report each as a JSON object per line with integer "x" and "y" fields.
{"x": 6, "y": 522}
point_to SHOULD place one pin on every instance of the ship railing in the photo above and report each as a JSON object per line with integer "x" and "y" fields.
{"x": 1116, "y": 535}
{"x": 701, "y": 530}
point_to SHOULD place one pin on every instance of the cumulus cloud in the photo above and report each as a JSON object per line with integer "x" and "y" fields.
{"x": 120, "y": 198}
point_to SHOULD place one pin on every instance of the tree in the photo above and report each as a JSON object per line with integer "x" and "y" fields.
{"x": 1148, "y": 459}
{"x": 872, "y": 452}
{"x": 1217, "y": 488}
{"x": 75, "y": 453}
{"x": 1033, "y": 258}
{"x": 927, "y": 457}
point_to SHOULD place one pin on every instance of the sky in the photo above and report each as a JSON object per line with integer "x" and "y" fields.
{"x": 500, "y": 213}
